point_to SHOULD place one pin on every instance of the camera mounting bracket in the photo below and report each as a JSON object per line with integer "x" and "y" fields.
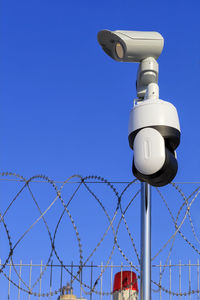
{"x": 147, "y": 74}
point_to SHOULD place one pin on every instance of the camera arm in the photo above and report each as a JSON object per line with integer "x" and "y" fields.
{"x": 147, "y": 75}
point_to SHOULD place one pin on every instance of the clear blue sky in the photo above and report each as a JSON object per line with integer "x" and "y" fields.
{"x": 65, "y": 104}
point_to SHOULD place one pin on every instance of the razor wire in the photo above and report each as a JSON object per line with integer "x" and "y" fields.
{"x": 186, "y": 204}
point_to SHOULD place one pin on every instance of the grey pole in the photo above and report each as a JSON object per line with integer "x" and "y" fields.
{"x": 145, "y": 254}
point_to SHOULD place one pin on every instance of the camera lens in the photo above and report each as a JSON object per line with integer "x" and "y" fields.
{"x": 119, "y": 50}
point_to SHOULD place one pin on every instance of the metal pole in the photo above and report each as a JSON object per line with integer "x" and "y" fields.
{"x": 145, "y": 255}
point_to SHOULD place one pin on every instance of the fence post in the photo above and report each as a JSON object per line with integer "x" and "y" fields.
{"x": 170, "y": 280}
{"x": 40, "y": 288}
{"x": 50, "y": 281}
{"x": 30, "y": 273}
{"x": 189, "y": 279}
{"x": 9, "y": 278}
{"x": 19, "y": 284}
{"x": 91, "y": 274}
{"x": 160, "y": 278}
{"x": 111, "y": 283}
{"x": 198, "y": 279}
{"x": 101, "y": 280}
{"x": 180, "y": 279}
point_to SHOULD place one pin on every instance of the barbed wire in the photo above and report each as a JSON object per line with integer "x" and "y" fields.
{"x": 84, "y": 182}
{"x": 95, "y": 182}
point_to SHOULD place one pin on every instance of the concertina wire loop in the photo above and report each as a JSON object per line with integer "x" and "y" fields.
{"x": 82, "y": 262}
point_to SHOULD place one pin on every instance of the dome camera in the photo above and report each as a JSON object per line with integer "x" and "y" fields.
{"x": 131, "y": 46}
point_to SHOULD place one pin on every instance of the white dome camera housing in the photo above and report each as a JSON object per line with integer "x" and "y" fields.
{"x": 131, "y": 46}
{"x": 154, "y": 135}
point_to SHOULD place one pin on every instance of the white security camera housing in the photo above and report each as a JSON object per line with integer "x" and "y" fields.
{"x": 154, "y": 135}
{"x": 131, "y": 46}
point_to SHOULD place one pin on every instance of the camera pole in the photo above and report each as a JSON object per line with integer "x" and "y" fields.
{"x": 145, "y": 254}
{"x": 147, "y": 87}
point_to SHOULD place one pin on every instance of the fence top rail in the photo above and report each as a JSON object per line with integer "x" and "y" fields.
{"x": 170, "y": 265}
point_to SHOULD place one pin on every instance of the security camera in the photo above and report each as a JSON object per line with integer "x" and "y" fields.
{"x": 131, "y": 46}
{"x": 154, "y": 135}
{"x": 154, "y": 129}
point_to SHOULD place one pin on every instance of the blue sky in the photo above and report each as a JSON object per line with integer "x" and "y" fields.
{"x": 65, "y": 104}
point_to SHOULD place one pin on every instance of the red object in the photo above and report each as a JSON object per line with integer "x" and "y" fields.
{"x": 122, "y": 281}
